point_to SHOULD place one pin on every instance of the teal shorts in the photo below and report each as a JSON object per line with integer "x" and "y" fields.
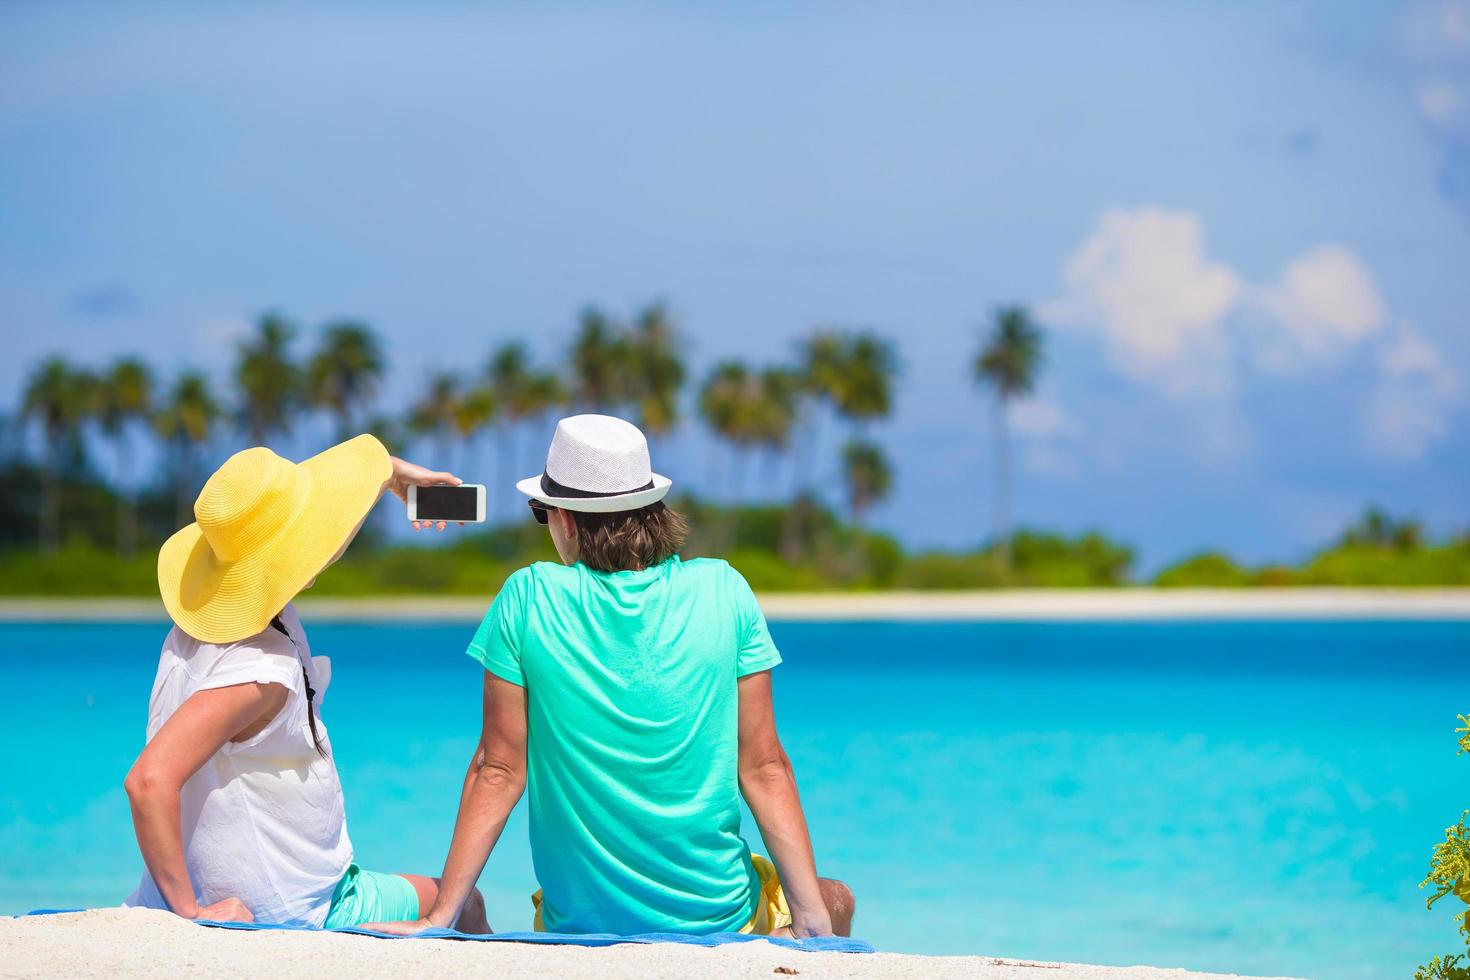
{"x": 371, "y": 896}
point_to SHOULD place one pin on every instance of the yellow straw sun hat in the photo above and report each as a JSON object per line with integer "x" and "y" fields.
{"x": 265, "y": 527}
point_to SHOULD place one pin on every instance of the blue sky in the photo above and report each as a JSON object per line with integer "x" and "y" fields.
{"x": 1246, "y": 227}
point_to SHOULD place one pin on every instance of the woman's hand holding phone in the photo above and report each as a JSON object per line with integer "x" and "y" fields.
{"x": 406, "y": 474}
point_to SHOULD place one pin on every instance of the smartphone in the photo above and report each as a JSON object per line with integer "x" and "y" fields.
{"x": 465, "y": 502}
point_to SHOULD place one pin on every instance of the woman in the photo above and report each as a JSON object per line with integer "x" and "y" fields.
{"x": 632, "y": 692}
{"x": 236, "y": 802}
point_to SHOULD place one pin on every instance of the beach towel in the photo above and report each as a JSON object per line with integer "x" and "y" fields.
{"x": 822, "y": 944}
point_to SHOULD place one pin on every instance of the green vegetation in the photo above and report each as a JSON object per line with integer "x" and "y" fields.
{"x": 835, "y": 554}
{"x": 1375, "y": 551}
{"x": 1449, "y": 873}
{"x": 65, "y": 530}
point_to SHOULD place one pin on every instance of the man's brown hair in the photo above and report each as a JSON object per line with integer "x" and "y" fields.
{"x": 629, "y": 539}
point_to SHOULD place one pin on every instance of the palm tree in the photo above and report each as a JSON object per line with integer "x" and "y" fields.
{"x": 657, "y": 370}
{"x": 822, "y": 367}
{"x": 59, "y": 398}
{"x": 600, "y": 361}
{"x": 473, "y": 411}
{"x": 865, "y": 391}
{"x": 435, "y": 416}
{"x": 775, "y": 411}
{"x": 725, "y": 402}
{"x": 12, "y": 435}
{"x": 269, "y": 381}
{"x": 343, "y": 374}
{"x": 869, "y": 480}
{"x": 1008, "y": 362}
{"x": 545, "y": 395}
{"x": 520, "y": 394}
{"x": 729, "y": 403}
{"x": 1378, "y": 529}
{"x": 853, "y": 375}
{"x": 186, "y": 423}
{"x": 126, "y": 400}
{"x": 819, "y": 373}
{"x": 392, "y": 431}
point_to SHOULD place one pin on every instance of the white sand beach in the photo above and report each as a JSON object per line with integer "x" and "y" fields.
{"x": 149, "y": 943}
{"x": 993, "y": 606}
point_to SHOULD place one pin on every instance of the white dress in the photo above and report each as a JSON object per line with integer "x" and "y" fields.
{"x": 263, "y": 819}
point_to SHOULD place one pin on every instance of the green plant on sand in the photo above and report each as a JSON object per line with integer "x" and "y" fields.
{"x": 1449, "y": 873}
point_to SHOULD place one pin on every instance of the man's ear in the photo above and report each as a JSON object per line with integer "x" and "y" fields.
{"x": 568, "y": 523}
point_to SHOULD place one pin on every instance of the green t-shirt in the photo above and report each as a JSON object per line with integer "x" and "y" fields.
{"x": 630, "y": 682}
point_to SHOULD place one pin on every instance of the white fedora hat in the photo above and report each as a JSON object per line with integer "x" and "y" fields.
{"x": 597, "y": 464}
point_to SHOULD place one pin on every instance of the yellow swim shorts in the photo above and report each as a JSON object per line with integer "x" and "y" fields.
{"x": 771, "y": 912}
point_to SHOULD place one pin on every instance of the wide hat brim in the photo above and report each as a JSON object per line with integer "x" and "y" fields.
{"x": 221, "y": 601}
{"x": 632, "y": 500}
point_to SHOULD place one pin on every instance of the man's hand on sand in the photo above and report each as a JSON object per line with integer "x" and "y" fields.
{"x": 406, "y": 474}
{"x": 225, "y": 910}
{"x": 811, "y": 927}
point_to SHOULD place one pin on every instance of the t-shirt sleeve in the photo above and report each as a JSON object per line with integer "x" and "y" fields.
{"x": 264, "y": 659}
{"x": 497, "y": 643}
{"x": 757, "y": 651}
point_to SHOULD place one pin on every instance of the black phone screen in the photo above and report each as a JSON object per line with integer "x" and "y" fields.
{"x": 448, "y": 503}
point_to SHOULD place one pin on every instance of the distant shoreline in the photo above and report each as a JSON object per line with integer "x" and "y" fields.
{"x": 987, "y": 606}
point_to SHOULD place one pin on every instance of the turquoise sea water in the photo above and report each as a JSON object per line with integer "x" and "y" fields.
{"x": 1253, "y": 797}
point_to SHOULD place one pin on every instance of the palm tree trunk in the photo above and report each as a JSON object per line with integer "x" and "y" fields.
{"x": 792, "y": 529}
{"x": 859, "y": 543}
{"x": 50, "y": 522}
{"x": 446, "y": 450}
{"x": 519, "y": 438}
{"x": 127, "y": 505}
{"x": 1002, "y": 487}
{"x": 712, "y": 491}
{"x": 182, "y": 485}
{"x": 737, "y": 484}
{"x": 505, "y": 436}
{"x": 712, "y": 532}
{"x": 774, "y": 457}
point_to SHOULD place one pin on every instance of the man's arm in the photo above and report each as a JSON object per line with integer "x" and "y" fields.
{"x": 193, "y": 733}
{"x": 769, "y": 787}
{"x": 492, "y": 787}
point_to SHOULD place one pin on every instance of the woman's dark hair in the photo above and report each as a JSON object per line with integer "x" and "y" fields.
{"x": 629, "y": 539}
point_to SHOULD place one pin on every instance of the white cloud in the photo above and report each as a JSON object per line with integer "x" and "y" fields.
{"x": 1050, "y": 461}
{"x": 1050, "y": 437}
{"x": 1324, "y": 303}
{"x": 216, "y": 339}
{"x": 1438, "y": 30}
{"x": 1436, "y": 45}
{"x": 1143, "y": 282}
{"x": 1170, "y": 316}
{"x": 1440, "y": 100}
{"x": 1408, "y": 408}
{"x": 1039, "y": 418}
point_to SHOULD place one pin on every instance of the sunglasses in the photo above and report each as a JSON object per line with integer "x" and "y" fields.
{"x": 540, "y": 511}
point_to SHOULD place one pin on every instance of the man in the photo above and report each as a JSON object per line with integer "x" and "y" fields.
{"x": 632, "y": 691}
